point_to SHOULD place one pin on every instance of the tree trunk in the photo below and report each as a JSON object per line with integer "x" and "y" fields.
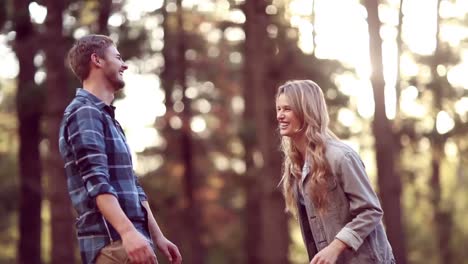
{"x": 399, "y": 51}
{"x": 61, "y": 215}
{"x": 388, "y": 180}
{"x": 105, "y": 8}
{"x": 314, "y": 20}
{"x": 28, "y": 102}
{"x": 267, "y": 240}
{"x": 191, "y": 182}
{"x": 169, "y": 73}
{"x": 251, "y": 183}
{"x": 442, "y": 216}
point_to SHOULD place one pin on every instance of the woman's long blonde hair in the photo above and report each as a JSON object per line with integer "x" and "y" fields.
{"x": 308, "y": 104}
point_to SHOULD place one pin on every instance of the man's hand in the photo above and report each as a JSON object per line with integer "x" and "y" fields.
{"x": 330, "y": 254}
{"x": 169, "y": 249}
{"x": 163, "y": 244}
{"x": 138, "y": 248}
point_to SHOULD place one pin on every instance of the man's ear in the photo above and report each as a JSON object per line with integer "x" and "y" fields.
{"x": 96, "y": 60}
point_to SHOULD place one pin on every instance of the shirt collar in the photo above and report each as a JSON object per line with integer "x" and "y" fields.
{"x": 110, "y": 109}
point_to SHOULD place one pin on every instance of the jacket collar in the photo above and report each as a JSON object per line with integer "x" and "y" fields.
{"x": 305, "y": 172}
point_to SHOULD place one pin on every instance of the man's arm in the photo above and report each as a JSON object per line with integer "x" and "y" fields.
{"x": 153, "y": 226}
{"x": 167, "y": 247}
{"x": 135, "y": 244}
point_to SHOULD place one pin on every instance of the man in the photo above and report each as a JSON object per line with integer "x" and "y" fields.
{"x": 115, "y": 223}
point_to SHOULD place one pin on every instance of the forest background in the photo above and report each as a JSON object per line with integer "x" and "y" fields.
{"x": 198, "y": 110}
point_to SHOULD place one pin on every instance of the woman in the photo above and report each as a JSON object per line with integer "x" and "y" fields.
{"x": 325, "y": 183}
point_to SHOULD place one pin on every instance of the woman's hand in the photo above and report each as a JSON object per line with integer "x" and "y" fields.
{"x": 330, "y": 254}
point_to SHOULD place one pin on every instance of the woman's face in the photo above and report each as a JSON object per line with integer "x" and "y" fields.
{"x": 289, "y": 124}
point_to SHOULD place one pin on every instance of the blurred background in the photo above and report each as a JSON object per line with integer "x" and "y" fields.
{"x": 199, "y": 113}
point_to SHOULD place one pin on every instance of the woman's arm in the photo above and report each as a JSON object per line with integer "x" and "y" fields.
{"x": 364, "y": 204}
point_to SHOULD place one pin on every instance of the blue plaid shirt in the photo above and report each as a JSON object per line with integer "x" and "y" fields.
{"x": 97, "y": 161}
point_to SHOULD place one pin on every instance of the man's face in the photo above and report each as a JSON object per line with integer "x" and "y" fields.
{"x": 113, "y": 67}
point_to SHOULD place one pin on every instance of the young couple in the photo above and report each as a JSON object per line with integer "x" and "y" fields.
{"x": 324, "y": 181}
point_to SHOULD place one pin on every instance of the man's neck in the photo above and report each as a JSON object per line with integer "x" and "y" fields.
{"x": 100, "y": 91}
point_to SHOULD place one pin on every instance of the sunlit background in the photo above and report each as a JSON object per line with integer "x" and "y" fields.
{"x": 328, "y": 29}
{"x": 340, "y": 33}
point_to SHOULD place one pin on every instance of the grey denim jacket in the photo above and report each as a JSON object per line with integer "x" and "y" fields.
{"x": 354, "y": 214}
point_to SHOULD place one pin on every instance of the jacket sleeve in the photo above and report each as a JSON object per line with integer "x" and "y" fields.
{"x": 364, "y": 204}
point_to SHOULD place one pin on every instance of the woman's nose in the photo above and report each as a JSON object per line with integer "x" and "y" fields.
{"x": 279, "y": 116}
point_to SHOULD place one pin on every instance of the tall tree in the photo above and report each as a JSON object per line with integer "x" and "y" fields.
{"x": 57, "y": 94}
{"x": 269, "y": 239}
{"x": 169, "y": 72}
{"x": 190, "y": 179}
{"x": 252, "y": 81}
{"x": 399, "y": 42}
{"x": 105, "y": 8}
{"x": 3, "y": 13}
{"x": 388, "y": 180}
{"x": 442, "y": 214}
{"x": 28, "y": 109}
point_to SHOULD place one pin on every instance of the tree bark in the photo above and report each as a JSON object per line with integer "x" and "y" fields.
{"x": 63, "y": 250}
{"x": 253, "y": 193}
{"x": 442, "y": 216}
{"x": 399, "y": 51}
{"x": 314, "y": 20}
{"x": 168, "y": 74}
{"x": 191, "y": 183}
{"x": 267, "y": 240}
{"x": 105, "y": 8}
{"x": 28, "y": 102}
{"x": 385, "y": 145}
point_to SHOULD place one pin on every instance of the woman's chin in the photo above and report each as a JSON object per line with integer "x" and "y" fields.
{"x": 285, "y": 133}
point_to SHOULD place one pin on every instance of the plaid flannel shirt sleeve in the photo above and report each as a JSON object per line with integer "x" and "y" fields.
{"x": 141, "y": 192}
{"x": 85, "y": 132}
